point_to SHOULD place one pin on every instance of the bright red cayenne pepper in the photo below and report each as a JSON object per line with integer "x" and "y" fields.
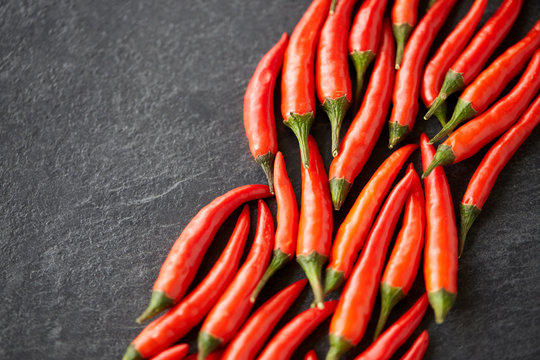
{"x": 259, "y": 120}
{"x": 332, "y": 68}
{"x": 403, "y": 20}
{"x": 441, "y": 247}
{"x": 405, "y": 97}
{"x": 234, "y": 305}
{"x": 165, "y": 331}
{"x": 356, "y": 303}
{"x": 180, "y": 266}
{"x": 418, "y": 348}
{"x": 486, "y": 174}
{"x": 367, "y": 124}
{"x": 297, "y": 80}
{"x": 471, "y": 61}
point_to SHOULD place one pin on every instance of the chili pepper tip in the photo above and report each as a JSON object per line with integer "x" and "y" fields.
{"x": 206, "y": 344}
{"x": 132, "y": 354}
{"x": 279, "y": 259}
{"x": 301, "y": 125}
{"x": 390, "y": 296}
{"x": 333, "y": 279}
{"x": 339, "y": 188}
{"x": 441, "y": 301}
{"x": 267, "y": 163}
{"x": 444, "y": 156}
{"x": 397, "y": 133}
{"x": 158, "y": 302}
{"x": 361, "y": 61}
{"x": 401, "y": 34}
{"x": 338, "y": 347}
{"x": 336, "y": 110}
{"x": 468, "y": 214}
{"x": 312, "y": 266}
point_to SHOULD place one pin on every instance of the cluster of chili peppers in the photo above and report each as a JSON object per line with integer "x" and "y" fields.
{"x": 314, "y": 61}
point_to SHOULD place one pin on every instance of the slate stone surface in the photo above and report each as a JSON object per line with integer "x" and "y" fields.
{"x": 119, "y": 120}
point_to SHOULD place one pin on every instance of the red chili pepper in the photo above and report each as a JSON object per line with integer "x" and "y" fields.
{"x": 449, "y": 51}
{"x": 387, "y": 344}
{"x": 356, "y": 303}
{"x": 259, "y": 120}
{"x": 418, "y": 348}
{"x": 315, "y": 227}
{"x": 471, "y": 137}
{"x": 492, "y": 81}
{"x": 354, "y": 229}
{"x": 403, "y": 265}
{"x": 332, "y": 68}
{"x": 297, "y": 80}
{"x": 367, "y": 124}
{"x": 186, "y": 254}
{"x": 405, "y": 97}
{"x": 287, "y": 223}
{"x": 282, "y": 346}
{"x": 234, "y": 305}
{"x": 472, "y": 60}
{"x": 364, "y": 39}
{"x": 311, "y": 355}
{"x": 440, "y": 250}
{"x": 487, "y": 172}
{"x": 251, "y": 338}
{"x": 168, "y": 329}
{"x": 177, "y": 352}
{"x": 403, "y": 21}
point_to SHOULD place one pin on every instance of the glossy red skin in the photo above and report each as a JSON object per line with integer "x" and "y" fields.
{"x": 498, "y": 156}
{"x": 251, "y": 338}
{"x": 297, "y": 80}
{"x": 405, "y": 12}
{"x": 287, "y": 209}
{"x": 405, "y": 97}
{"x": 449, "y": 51}
{"x": 332, "y": 67}
{"x": 311, "y": 355}
{"x": 186, "y": 254}
{"x": 492, "y": 81}
{"x": 315, "y": 227}
{"x": 486, "y": 40}
{"x": 171, "y": 327}
{"x": 403, "y": 265}
{"x": 441, "y": 247}
{"x": 390, "y": 340}
{"x": 165, "y": 331}
{"x": 177, "y": 352}
{"x": 418, "y": 348}
{"x": 474, "y": 135}
{"x": 358, "y": 297}
{"x": 366, "y": 28}
{"x": 354, "y": 229}
{"x": 367, "y": 125}
{"x": 285, "y": 342}
{"x": 234, "y": 305}
{"x": 259, "y": 120}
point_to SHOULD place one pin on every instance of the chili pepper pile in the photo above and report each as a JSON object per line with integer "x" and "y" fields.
{"x": 314, "y": 61}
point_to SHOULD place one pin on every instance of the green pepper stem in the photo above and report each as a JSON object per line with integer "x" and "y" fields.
{"x": 468, "y": 214}
{"x": 312, "y": 265}
{"x": 361, "y": 61}
{"x": 336, "y": 110}
{"x": 333, "y": 279}
{"x": 301, "y": 125}
{"x": 158, "y": 302}
{"x": 267, "y": 163}
{"x": 390, "y": 296}
{"x": 444, "y": 156}
{"x": 207, "y": 344}
{"x": 401, "y": 34}
{"x": 279, "y": 259}
{"x": 441, "y": 301}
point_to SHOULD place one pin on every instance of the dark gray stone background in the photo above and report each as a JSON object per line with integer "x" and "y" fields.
{"x": 121, "y": 119}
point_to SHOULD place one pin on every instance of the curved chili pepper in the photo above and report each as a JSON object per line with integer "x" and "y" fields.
{"x": 418, "y": 348}
{"x": 332, "y": 68}
{"x": 353, "y": 230}
{"x": 168, "y": 329}
{"x": 440, "y": 250}
{"x": 405, "y": 97}
{"x": 186, "y": 254}
{"x": 259, "y": 120}
{"x": 449, "y": 51}
{"x": 487, "y": 172}
{"x": 282, "y": 346}
{"x": 177, "y": 352}
{"x": 311, "y": 355}
{"x": 403, "y": 21}
{"x": 356, "y": 303}
{"x": 367, "y": 124}
{"x": 315, "y": 227}
{"x": 387, "y": 344}
{"x": 492, "y": 81}
{"x": 364, "y": 39}
{"x": 234, "y": 305}
{"x": 250, "y": 339}
{"x": 287, "y": 223}
{"x": 403, "y": 265}
{"x": 471, "y": 137}
{"x": 484, "y": 43}
{"x": 297, "y": 83}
